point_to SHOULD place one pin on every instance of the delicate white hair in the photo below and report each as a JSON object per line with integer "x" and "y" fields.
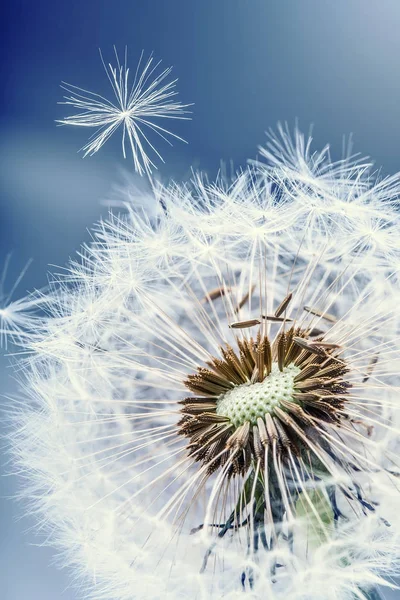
{"x": 105, "y": 471}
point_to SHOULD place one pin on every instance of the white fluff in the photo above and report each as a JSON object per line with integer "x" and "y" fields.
{"x": 106, "y": 473}
{"x": 139, "y": 107}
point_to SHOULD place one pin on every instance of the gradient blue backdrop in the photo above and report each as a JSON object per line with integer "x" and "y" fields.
{"x": 244, "y": 63}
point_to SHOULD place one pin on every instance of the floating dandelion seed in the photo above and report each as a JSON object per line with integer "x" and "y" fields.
{"x": 214, "y": 399}
{"x": 138, "y": 108}
{"x": 16, "y": 316}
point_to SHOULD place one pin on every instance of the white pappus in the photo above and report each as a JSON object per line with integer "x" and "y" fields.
{"x": 139, "y": 107}
{"x": 212, "y": 400}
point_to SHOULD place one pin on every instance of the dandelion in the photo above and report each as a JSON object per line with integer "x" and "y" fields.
{"x": 214, "y": 395}
{"x": 137, "y": 108}
{"x": 16, "y": 315}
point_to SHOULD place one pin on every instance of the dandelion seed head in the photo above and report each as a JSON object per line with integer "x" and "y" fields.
{"x": 212, "y": 411}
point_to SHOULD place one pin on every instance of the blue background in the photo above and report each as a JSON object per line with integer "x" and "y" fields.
{"x": 245, "y": 64}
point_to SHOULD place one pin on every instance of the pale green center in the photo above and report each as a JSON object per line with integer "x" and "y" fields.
{"x": 249, "y": 401}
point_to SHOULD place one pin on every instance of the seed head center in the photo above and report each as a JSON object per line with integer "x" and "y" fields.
{"x": 249, "y": 401}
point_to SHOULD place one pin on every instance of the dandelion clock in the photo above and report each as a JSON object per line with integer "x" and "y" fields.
{"x": 211, "y": 395}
